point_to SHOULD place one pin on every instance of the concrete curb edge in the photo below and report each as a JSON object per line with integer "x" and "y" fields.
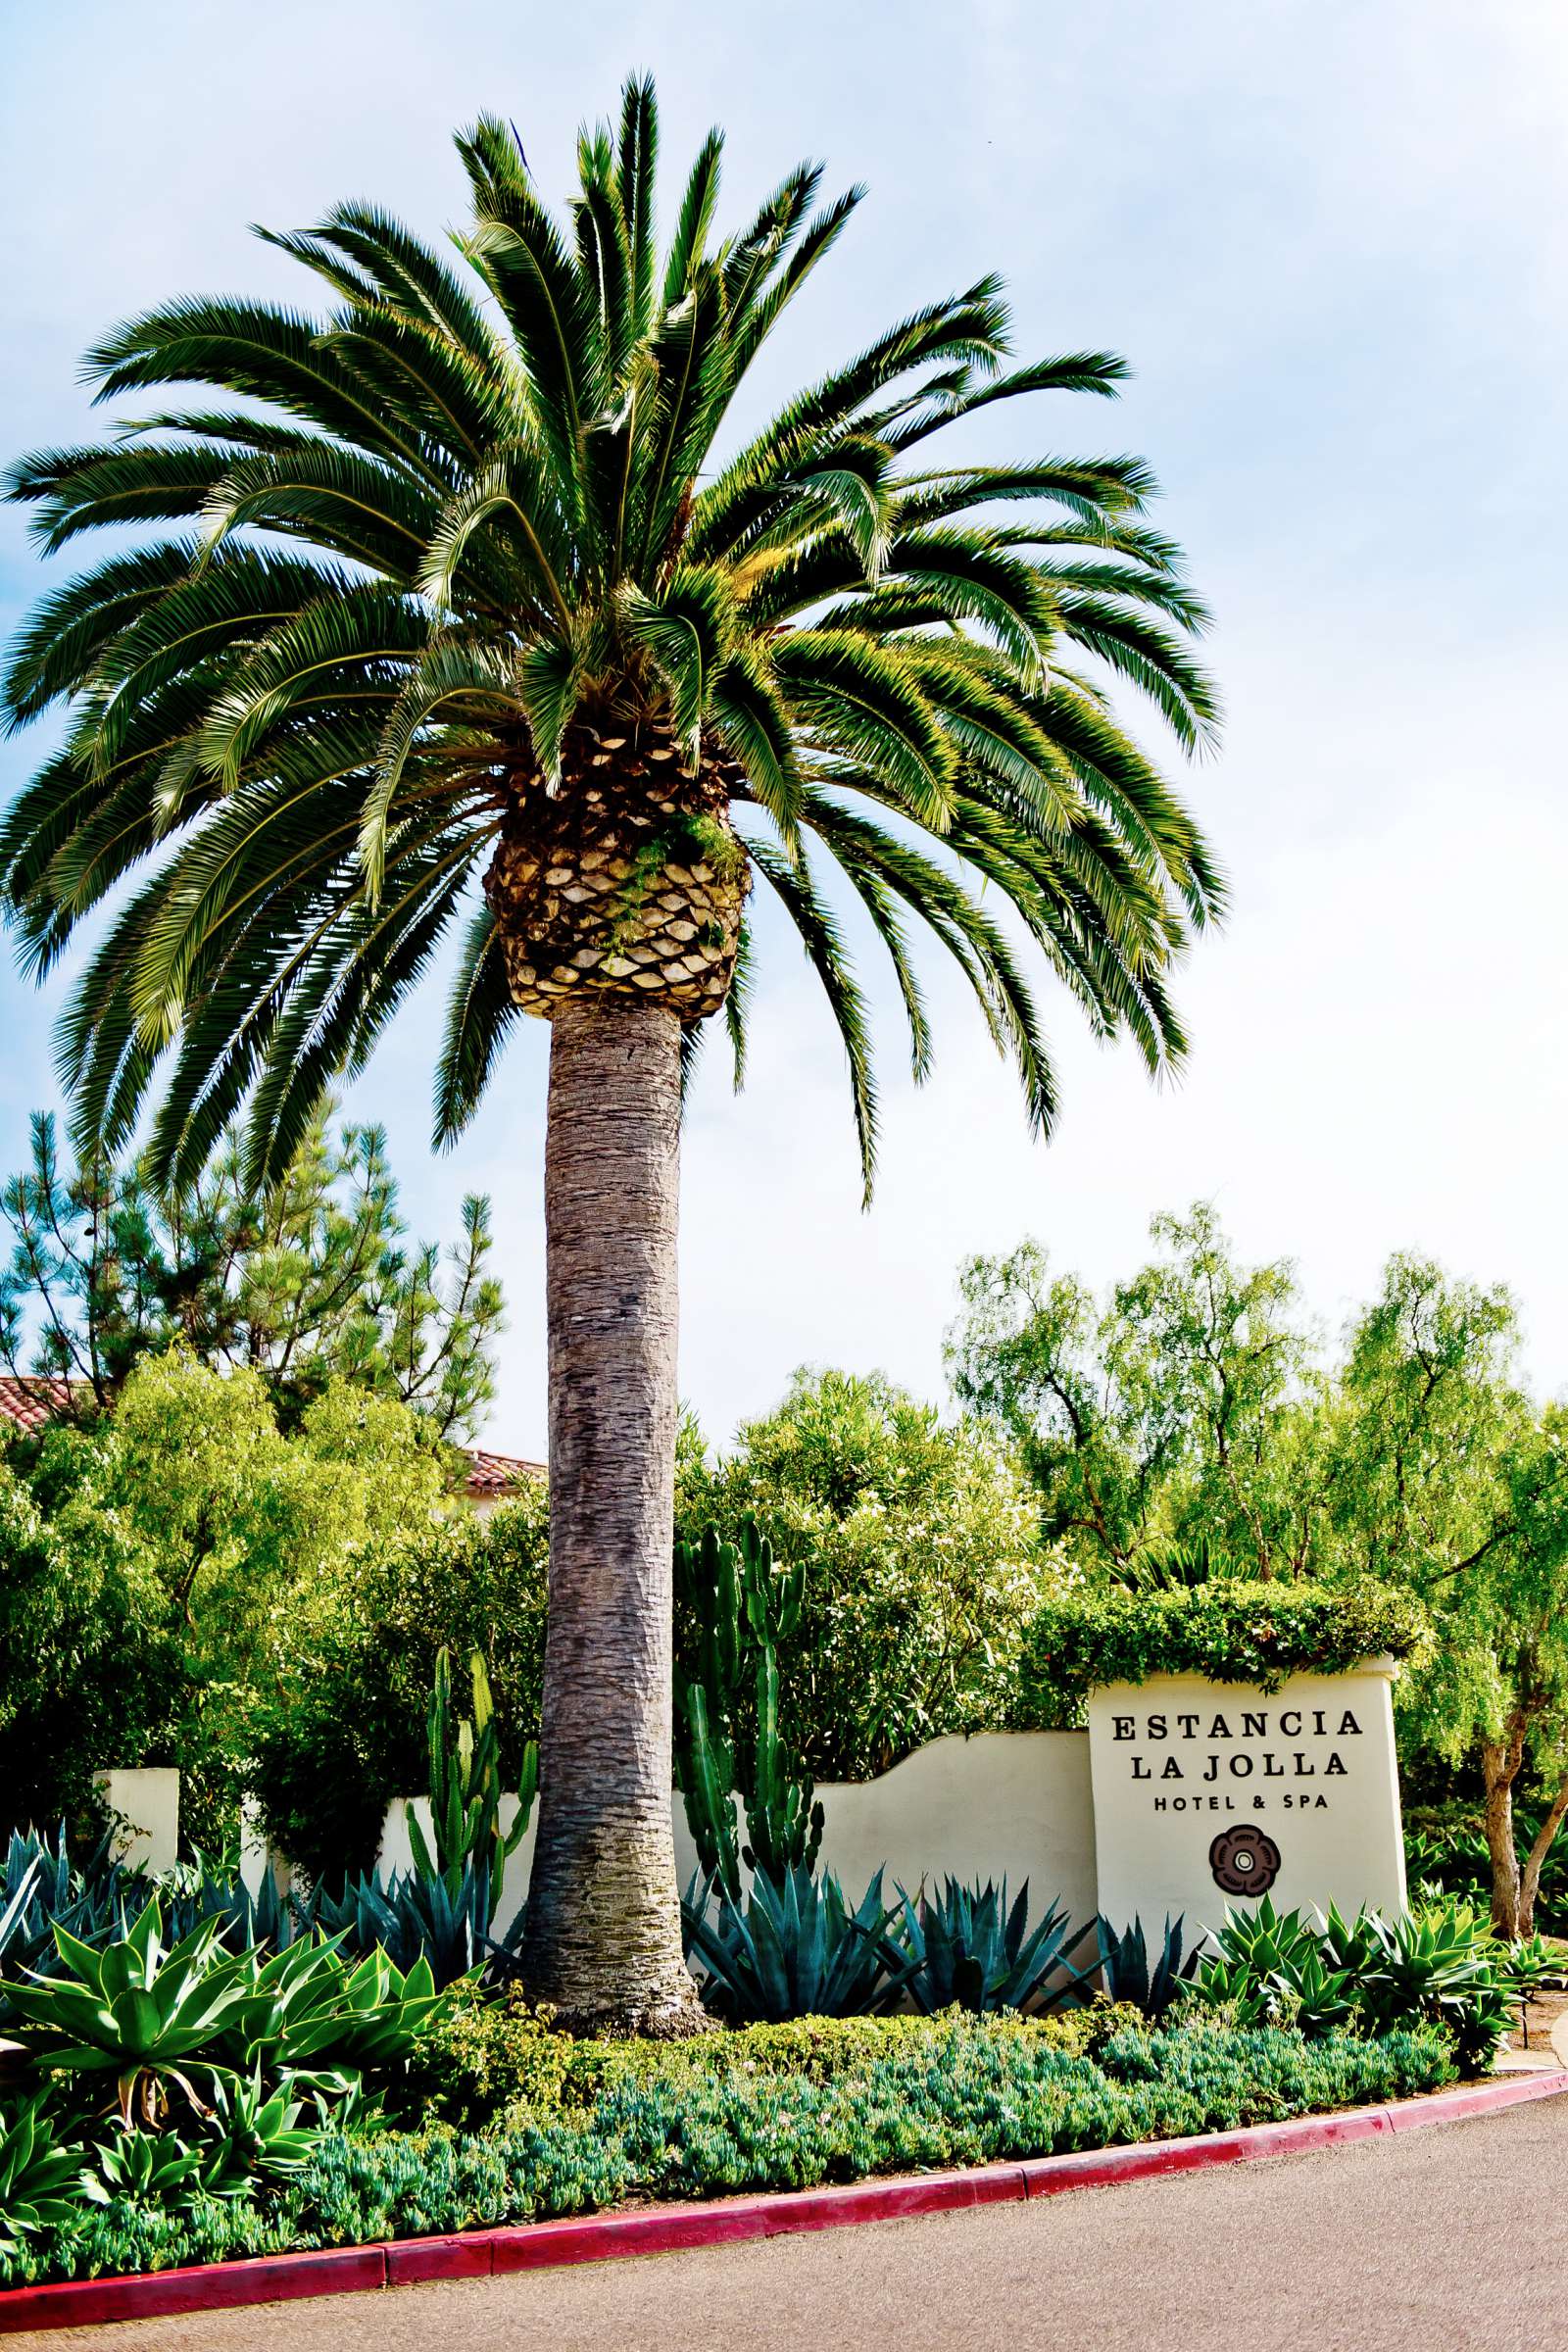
{"x": 665, "y": 2229}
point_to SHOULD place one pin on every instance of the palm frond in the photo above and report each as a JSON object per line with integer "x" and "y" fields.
{"x": 548, "y": 306}
{"x": 479, "y": 1013}
{"x": 791, "y": 880}
{"x": 422, "y": 534}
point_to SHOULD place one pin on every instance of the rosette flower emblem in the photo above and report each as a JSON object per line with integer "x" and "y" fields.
{"x": 1243, "y": 1861}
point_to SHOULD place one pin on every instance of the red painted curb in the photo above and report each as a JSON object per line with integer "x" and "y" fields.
{"x": 1411, "y": 2115}
{"x": 201, "y": 2286}
{"x": 467, "y": 2254}
{"x": 1102, "y": 2167}
{"x": 666, "y": 2228}
{"x": 663, "y": 2228}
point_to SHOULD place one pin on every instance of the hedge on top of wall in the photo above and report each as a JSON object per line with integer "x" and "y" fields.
{"x": 1229, "y": 1630}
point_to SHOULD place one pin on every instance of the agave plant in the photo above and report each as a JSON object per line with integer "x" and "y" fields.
{"x": 145, "y": 2167}
{"x": 1317, "y": 1997}
{"x": 38, "y": 2175}
{"x": 1164, "y": 1565}
{"x": 198, "y": 1893}
{"x": 147, "y": 2013}
{"x": 469, "y": 605}
{"x": 1265, "y": 1941}
{"x": 1440, "y": 1964}
{"x": 1125, "y": 1972}
{"x": 41, "y": 1890}
{"x": 267, "y": 1918}
{"x": 1532, "y": 1966}
{"x": 20, "y": 1897}
{"x": 254, "y": 2130}
{"x": 188, "y": 2015}
{"x": 795, "y": 1948}
{"x": 418, "y": 1915}
{"x": 971, "y": 1949}
{"x": 306, "y": 2006}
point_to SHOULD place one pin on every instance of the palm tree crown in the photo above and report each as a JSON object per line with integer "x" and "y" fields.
{"x": 465, "y": 595}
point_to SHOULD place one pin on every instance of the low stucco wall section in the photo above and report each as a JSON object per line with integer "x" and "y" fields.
{"x": 145, "y": 1798}
{"x": 1004, "y": 1803}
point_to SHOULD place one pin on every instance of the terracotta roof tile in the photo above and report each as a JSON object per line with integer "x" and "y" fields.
{"x": 499, "y": 1473}
{"x": 30, "y": 1403}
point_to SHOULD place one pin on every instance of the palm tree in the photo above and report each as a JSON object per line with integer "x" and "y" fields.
{"x": 460, "y": 595}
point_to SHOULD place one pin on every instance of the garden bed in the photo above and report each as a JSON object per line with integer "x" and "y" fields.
{"x": 521, "y": 2125}
{"x": 497, "y": 2252}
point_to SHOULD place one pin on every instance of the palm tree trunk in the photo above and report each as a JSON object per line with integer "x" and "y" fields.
{"x": 604, "y": 1941}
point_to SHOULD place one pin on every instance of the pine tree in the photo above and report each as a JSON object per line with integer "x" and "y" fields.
{"x": 303, "y": 1280}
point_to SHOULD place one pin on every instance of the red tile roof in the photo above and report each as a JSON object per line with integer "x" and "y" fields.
{"x": 499, "y": 1473}
{"x": 30, "y": 1403}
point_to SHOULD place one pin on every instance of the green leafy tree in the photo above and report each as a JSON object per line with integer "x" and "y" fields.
{"x": 339, "y": 1728}
{"x": 920, "y": 1541}
{"x": 228, "y": 1506}
{"x": 1448, "y": 1479}
{"x": 90, "y": 1667}
{"x": 1175, "y": 1413}
{"x": 151, "y": 1567}
{"x": 302, "y": 1281}
{"x": 466, "y": 586}
{"x": 1190, "y": 1423}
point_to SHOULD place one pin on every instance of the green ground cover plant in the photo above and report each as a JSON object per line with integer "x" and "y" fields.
{"x": 578, "y": 2127}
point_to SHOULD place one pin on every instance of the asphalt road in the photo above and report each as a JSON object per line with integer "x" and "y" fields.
{"x": 1441, "y": 2240}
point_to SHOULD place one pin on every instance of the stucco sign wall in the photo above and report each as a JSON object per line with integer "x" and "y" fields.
{"x": 1208, "y": 1795}
{"x": 1184, "y": 1795}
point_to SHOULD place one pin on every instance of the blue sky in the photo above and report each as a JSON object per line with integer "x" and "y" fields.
{"x": 1329, "y": 238}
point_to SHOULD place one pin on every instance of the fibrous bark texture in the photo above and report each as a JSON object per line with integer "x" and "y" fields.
{"x": 1500, "y": 1762}
{"x": 626, "y": 882}
{"x": 603, "y": 1943}
{"x": 1515, "y": 1888}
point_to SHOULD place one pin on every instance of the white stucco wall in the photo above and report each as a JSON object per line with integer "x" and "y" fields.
{"x": 1124, "y": 1818}
{"x": 148, "y": 1799}
{"x": 1003, "y": 1803}
{"x": 1302, "y": 1784}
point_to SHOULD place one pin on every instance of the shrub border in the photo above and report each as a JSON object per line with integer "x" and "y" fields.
{"x": 1241, "y": 1632}
{"x": 666, "y": 2228}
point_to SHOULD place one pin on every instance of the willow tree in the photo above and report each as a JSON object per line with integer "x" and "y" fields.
{"x": 472, "y": 616}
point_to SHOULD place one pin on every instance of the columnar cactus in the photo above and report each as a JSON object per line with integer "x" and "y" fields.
{"x": 744, "y": 1607}
{"x": 466, "y": 1787}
